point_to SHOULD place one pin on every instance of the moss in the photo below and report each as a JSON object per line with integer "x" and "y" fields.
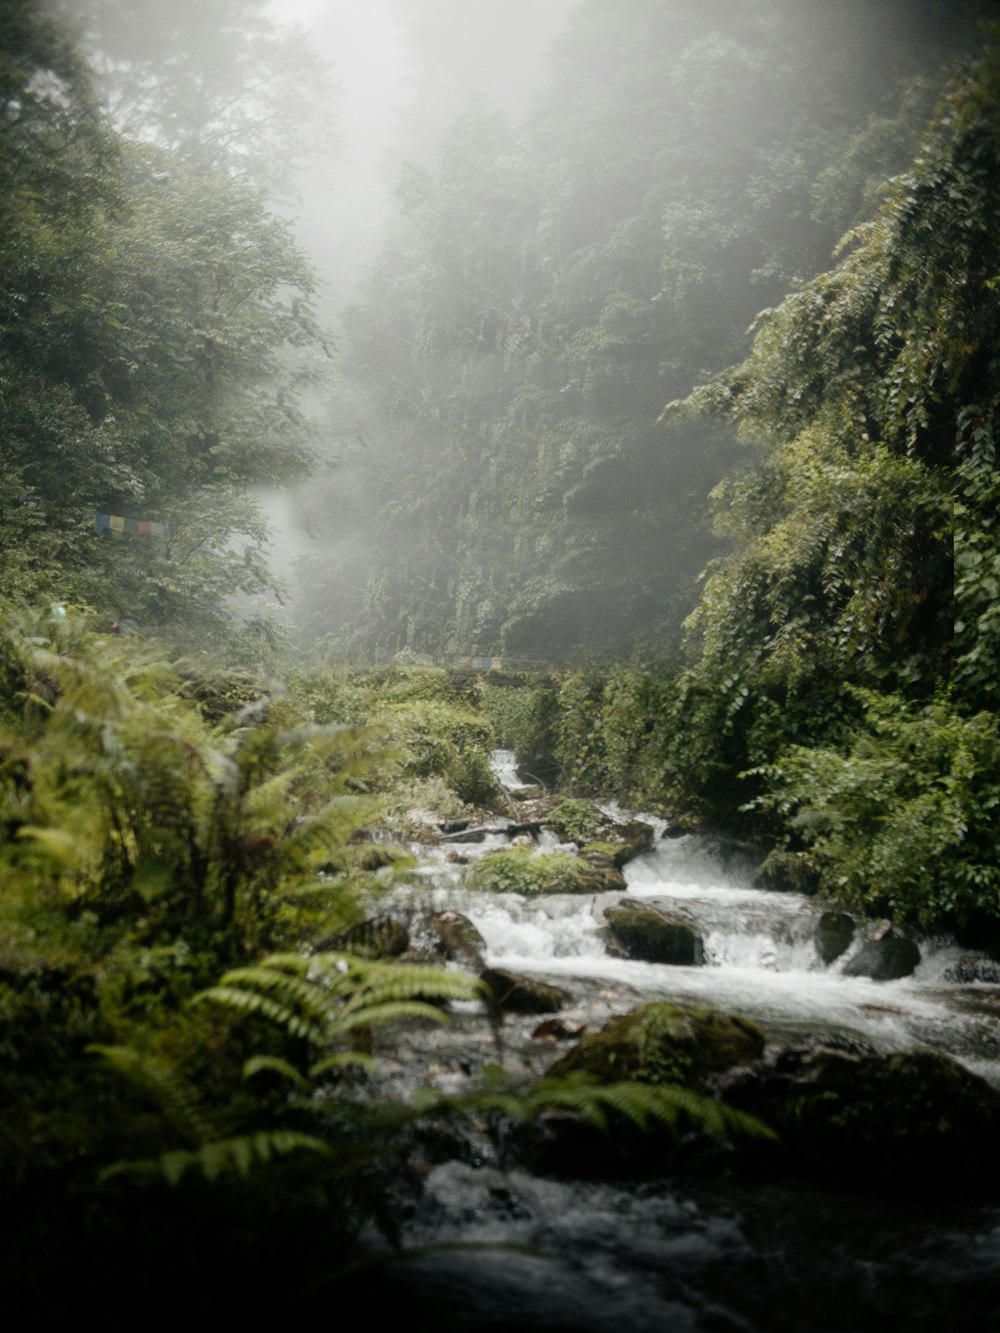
{"x": 664, "y": 1043}
{"x": 528, "y": 872}
{"x": 653, "y": 936}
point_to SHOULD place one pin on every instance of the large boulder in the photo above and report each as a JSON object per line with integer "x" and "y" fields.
{"x": 455, "y": 938}
{"x": 885, "y": 959}
{"x": 513, "y": 993}
{"x": 664, "y": 1043}
{"x": 595, "y": 832}
{"x": 526, "y": 871}
{"x": 972, "y": 968}
{"x": 834, "y": 936}
{"x": 652, "y": 935}
{"x": 913, "y": 1120}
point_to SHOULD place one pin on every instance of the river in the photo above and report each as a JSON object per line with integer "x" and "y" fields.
{"x": 680, "y": 1255}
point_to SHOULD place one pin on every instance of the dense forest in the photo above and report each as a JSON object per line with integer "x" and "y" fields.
{"x": 676, "y": 398}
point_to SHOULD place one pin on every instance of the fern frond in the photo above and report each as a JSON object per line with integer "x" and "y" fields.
{"x": 341, "y": 1060}
{"x": 162, "y": 1086}
{"x": 220, "y": 1157}
{"x": 275, "y": 1065}
{"x": 389, "y": 1011}
{"x": 250, "y": 1002}
{"x": 643, "y": 1105}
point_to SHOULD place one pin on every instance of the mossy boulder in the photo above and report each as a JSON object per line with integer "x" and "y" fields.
{"x": 913, "y": 1120}
{"x": 513, "y": 993}
{"x": 651, "y": 935}
{"x": 834, "y": 936}
{"x": 664, "y": 1043}
{"x": 593, "y": 832}
{"x": 526, "y": 871}
{"x": 885, "y": 959}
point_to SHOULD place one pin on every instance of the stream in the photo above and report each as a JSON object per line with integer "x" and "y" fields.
{"x": 674, "y": 1254}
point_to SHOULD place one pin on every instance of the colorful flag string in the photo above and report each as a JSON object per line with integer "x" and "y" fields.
{"x": 114, "y": 525}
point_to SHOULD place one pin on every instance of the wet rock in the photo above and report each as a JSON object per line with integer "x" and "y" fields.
{"x": 651, "y": 935}
{"x": 557, "y": 1029}
{"x": 526, "y": 871}
{"x": 457, "y": 938}
{"x": 834, "y": 935}
{"x": 885, "y": 959}
{"x": 595, "y": 833}
{"x": 525, "y": 793}
{"x": 913, "y": 1120}
{"x": 664, "y": 1043}
{"x": 516, "y": 994}
{"x": 379, "y": 937}
{"x": 974, "y": 968}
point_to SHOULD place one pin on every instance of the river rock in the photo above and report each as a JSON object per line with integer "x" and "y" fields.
{"x": 593, "y": 831}
{"x": 913, "y": 1120}
{"x": 457, "y": 938}
{"x": 664, "y": 1043}
{"x": 652, "y": 935}
{"x": 834, "y": 935}
{"x": 885, "y": 959}
{"x": 380, "y": 937}
{"x": 529, "y": 872}
{"x": 974, "y": 968}
{"x": 516, "y": 994}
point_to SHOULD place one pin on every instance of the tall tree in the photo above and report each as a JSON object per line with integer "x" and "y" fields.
{"x": 146, "y": 312}
{"x": 546, "y": 289}
{"x": 217, "y": 82}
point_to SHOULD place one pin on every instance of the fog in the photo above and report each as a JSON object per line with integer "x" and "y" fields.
{"x": 534, "y": 223}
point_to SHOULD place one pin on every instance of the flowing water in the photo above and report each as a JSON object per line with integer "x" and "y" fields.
{"x": 663, "y": 1255}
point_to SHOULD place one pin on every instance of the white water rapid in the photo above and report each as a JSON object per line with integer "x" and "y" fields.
{"x": 760, "y": 958}
{"x": 491, "y": 1249}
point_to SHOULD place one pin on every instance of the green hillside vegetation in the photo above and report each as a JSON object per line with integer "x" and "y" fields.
{"x": 504, "y": 484}
{"x": 193, "y": 852}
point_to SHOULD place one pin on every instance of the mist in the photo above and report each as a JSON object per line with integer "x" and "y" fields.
{"x": 532, "y": 226}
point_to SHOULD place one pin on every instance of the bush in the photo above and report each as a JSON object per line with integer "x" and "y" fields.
{"x": 902, "y": 819}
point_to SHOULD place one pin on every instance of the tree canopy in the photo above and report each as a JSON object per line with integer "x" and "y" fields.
{"x": 148, "y": 312}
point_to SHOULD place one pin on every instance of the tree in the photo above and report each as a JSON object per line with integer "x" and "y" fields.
{"x": 217, "y": 82}
{"x": 867, "y": 527}
{"x": 545, "y": 289}
{"x": 148, "y": 311}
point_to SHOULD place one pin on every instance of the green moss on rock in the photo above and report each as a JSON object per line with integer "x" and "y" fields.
{"x": 651, "y": 935}
{"x": 664, "y": 1043}
{"x": 528, "y": 872}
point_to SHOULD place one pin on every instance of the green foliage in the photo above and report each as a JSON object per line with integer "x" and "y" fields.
{"x": 528, "y": 872}
{"x": 504, "y": 486}
{"x": 902, "y": 820}
{"x": 157, "y": 333}
{"x": 524, "y": 721}
{"x": 864, "y": 529}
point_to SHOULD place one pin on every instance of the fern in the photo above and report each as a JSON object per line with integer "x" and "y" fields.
{"x": 327, "y": 997}
{"x": 222, "y": 1156}
{"x": 162, "y": 1086}
{"x": 643, "y": 1105}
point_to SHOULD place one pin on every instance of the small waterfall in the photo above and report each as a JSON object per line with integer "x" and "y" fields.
{"x": 760, "y": 956}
